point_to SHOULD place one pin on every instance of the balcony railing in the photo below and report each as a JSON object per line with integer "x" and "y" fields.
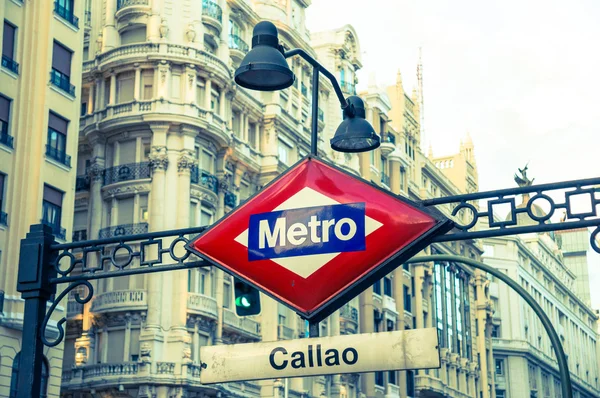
{"x": 65, "y": 14}
{"x": 348, "y": 87}
{"x": 123, "y": 230}
{"x": 119, "y": 300}
{"x": 79, "y": 235}
{"x": 202, "y": 304}
{"x": 57, "y": 230}
{"x": 62, "y": 81}
{"x": 127, "y": 3}
{"x": 3, "y": 219}
{"x": 58, "y": 155}
{"x": 321, "y": 115}
{"x": 284, "y": 332}
{"x": 127, "y": 172}
{"x": 74, "y": 307}
{"x": 5, "y": 138}
{"x": 385, "y": 179}
{"x": 244, "y": 324}
{"x": 212, "y": 9}
{"x": 391, "y": 138}
{"x": 207, "y": 180}
{"x": 88, "y": 18}
{"x": 303, "y": 89}
{"x": 349, "y": 312}
{"x": 82, "y": 183}
{"x": 110, "y": 369}
{"x": 236, "y": 43}
{"x": 10, "y": 64}
{"x": 230, "y": 199}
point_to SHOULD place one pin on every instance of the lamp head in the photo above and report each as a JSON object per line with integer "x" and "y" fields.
{"x": 264, "y": 68}
{"x": 355, "y": 134}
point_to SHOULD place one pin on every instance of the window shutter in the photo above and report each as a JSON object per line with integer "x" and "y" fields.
{"x": 8, "y": 41}
{"x": 57, "y": 123}
{"x": 4, "y": 108}
{"x": 53, "y": 196}
{"x": 61, "y": 59}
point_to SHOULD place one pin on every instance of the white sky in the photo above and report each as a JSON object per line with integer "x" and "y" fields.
{"x": 523, "y": 77}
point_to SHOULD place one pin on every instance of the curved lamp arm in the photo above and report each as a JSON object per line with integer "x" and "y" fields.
{"x": 563, "y": 365}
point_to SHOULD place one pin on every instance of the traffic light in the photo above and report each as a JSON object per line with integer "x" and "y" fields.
{"x": 247, "y": 299}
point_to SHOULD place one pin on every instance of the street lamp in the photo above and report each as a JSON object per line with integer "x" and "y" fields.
{"x": 264, "y": 68}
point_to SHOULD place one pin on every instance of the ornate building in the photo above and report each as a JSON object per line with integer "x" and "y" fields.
{"x": 40, "y": 83}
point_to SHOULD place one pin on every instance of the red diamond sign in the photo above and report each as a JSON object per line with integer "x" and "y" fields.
{"x": 317, "y": 236}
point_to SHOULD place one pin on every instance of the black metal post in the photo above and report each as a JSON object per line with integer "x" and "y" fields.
{"x": 315, "y": 112}
{"x": 313, "y": 329}
{"x": 563, "y": 366}
{"x": 35, "y": 272}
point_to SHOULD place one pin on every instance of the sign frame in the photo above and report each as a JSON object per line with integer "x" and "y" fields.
{"x": 443, "y": 225}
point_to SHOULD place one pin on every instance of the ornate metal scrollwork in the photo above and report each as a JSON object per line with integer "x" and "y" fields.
{"x": 78, "y": 298}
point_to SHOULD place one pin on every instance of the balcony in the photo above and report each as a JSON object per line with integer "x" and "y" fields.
{"x": 79, "y": 235}
{"x": 230, "y": 199}
{"x": 236, "y": 43}
{"x": 389, "y": 304}
{"x": 245, "y": 325}
{"x": 321, "y": 115}
{"x": 388, "y": 144}
{"x": 82, "y": 183}
{"x": 74, "y": 308}
{"x": 212, "y": 10}
{"x": 120, "y": 300}
{"x": 202, "y": 305}
{"x": 128, "y": 3}
{"x": 10, "y": 64}
{"x": 57, "y": 230}
{"x": 123, "y": 230}
{"x": 385, "y": 179}
{"x": 62, "y": 81}
{"x": 205, "y": 179}
{"x": 348, "y": 319}
{"x": 285, "y": 333}
{"x": 65, "y": 14}
{"x": 303, "y": 89}
{"x": 127, "y": 172}
{"x": 103, "y": 370}
{"x": 348, "y": 87}
{"x": 5, "y": 138}
{"x": 58, "y": 155}
{"x": 3, "y": 219}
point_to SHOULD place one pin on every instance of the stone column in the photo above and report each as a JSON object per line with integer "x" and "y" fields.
{"x": 137, "y": 81}
{"x": 113, "y": 89}
{"x": 222, "y": 105}
{"x": 394, "y": 170}
{"x": 110, "y": 34}
{"x": 223, "y": 187}
{"x": 126, "y": 348}
{"x": 99, "y": 103}
{"x": 224, "y": 42}
{"x": 190, "y": 91}
{"x": 419, "y": 275}
{"x": 207, "y": 93}
{"x": 90, "y": 104}
{"x": 154, "y": 22}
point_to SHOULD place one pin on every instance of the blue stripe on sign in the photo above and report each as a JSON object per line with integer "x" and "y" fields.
{"x": 306, "y": 231}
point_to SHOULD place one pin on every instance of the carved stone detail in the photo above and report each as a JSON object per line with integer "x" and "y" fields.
{"x": 95, "y": 172}
{"x": 158, "y": 158}
{"x": 186, "y": 160}
{"x": 145, "y": 353}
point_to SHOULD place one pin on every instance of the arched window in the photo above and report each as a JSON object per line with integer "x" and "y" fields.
{"x": 15, "y": 376}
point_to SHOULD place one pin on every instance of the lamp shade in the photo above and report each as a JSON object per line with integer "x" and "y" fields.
{"x": 264, "y": 68}
{"x": 355, "y": 133}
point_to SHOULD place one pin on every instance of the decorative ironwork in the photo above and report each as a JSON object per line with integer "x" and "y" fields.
{"x": 204, "y": 178}
{"x": 3, "y": 219}
{"x": 123, "y": 230}
{"x": 58, "y": 155}
{"x": 57, "y": 230}
{"x": 230, "y": 199}
{"x": 348, "y": 87}
{"x": 82, "y": 183}
{"x": 62, "y": 81}
{"x": 525, "y": 217}
{"x": 127, "y": 3}
{"x": 385, "y": 179}
{"x": 10, "y": 64}
{"x": 79, "y": 235}
{"x": 5, "y": 138}
{"x": 212, "y": 9}
{"x": 66, "y": 14}
{"x": 236, "y": 43}
{"x": 127, "y": 172}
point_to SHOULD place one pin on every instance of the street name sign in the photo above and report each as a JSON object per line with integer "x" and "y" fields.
{"x": 317, "y": 236}
{"x": 370, "y": 352}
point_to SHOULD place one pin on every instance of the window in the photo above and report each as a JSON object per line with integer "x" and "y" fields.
{"x": 500, "y": 367}
{"x": 410, "y": 383}
{"x": 147, "y": 84}
{"x": 5, "y": 138}
{"x": 282, "y": 151}
{"x": 3, "y": 217}
{"x": 500, "y": 394}
{"x": 135, "y": 35}
{"x": 15, "y": 376}
{"x": 226, "y": 295}
{"x": 57, "y": 139}
{"x": 379, "y": 378}
{"x": 252, "y": 135}
{"x": 200, "y": 92}
{"x": 60, "y": 75}
{"x": 64, "y": 8}
{"x": 392, "y": 377}
{"x": 387, "y": 286}
{"x": 407, "y": 299}
{"x": 496, "y": 331}
{"x": 125, "y": 87}
{"x": 8, "y": 48}
{"x": 377, "y": 288}
{"x": 52, "y": 208}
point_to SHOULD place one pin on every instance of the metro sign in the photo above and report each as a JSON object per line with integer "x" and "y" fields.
{"x": 317, "y": 236}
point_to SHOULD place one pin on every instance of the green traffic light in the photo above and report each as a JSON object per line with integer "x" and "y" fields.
{"x": 243, "y": 301}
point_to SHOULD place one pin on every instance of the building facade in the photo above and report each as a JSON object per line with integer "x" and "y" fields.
{"x": 524, "y": 361}
{"x": 40, "y": 82}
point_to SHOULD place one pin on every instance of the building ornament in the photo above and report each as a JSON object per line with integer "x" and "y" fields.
{"x": 186, "y": 160}
{"x": 224, "y": 183}
{"x": 99, "y": 43}
{"x": 145, "y": 353}
{"x": 94, "y": 171}
{"x": 190, "y": 33}
{"x": 158, "y": 158}
{"x": 164, "y": 28}
{"x": 126, "y": 190}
